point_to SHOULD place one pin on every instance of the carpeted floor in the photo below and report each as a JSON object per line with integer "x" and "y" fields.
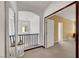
{"x": 63, "y": 50}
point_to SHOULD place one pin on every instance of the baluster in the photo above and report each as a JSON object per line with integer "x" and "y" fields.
{"x": 14, "y": 40}
{"x": 37, "y": 39}
{"x": 20, "y": 40}
{"x": 27, "y": 40}
{"x": 24, "y": 41}
{"x": 34, "y": 39}
{"x": 10, "y": 41}
{"x": 31, "y": 40}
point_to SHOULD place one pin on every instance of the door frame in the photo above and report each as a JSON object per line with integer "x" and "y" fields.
{"x": 77, "y": 23}
{"x": 45, "y": 32}
{"x": 59, "y": 31}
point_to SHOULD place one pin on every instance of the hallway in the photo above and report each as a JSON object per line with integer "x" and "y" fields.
{"x": 66, "y": 50}
{"x": 24, "y": 26}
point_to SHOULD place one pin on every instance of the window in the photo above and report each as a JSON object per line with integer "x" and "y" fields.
{"x": 24, "y": 29}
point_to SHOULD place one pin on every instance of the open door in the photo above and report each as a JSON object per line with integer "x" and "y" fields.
{"x": 50, "y": 33}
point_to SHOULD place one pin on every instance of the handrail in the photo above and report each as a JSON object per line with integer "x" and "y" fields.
{"x": 23, "y": 37}
{"x": 25, "y": 34}
{"x": 24, "y": 42}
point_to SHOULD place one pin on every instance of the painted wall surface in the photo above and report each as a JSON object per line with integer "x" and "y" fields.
{"x": 32, "y": 18}
{"x": 68, "y": 27}
{"x": 2, "y": 29}
{"x": 55, "y": 18}
{"x": 34, "y": 21}
{"x": 50, "y": 33}
{"x": 22, "y": 23}
{"x": 41, "y": 30}
{"x": 13, "y": 6}
{"x": 11, "y": 22}
{"x": 56, "y": 5}
{"x": 23, "y": 18}
{"x": 55, "y": 30}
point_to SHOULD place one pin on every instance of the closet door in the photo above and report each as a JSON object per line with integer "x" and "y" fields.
{"x": 50, "y": 33}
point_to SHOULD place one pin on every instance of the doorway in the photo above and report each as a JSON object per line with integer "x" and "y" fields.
{"x": 49, "y": 30}
{"x": 63, "y": 29}
{"x": 60, "y": 32}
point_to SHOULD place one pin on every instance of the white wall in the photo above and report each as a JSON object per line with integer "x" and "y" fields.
{"x": 23, "y": 23}
{"x": 32, "y": 18}
{"x": 11, "y": 22}
{"x": 13, "y": 6}
{"x": 41, "y": 30}
{"x": 2, "y": 29}
{"x": 56, "y": 5}
{"x": 69, "y": 12}
{"x": 50, "y": 33}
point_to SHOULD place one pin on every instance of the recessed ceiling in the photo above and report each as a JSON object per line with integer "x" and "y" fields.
{"x": 34, "y": 6}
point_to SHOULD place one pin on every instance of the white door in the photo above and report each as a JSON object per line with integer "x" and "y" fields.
{"x": 60, "y": 32}
{"x": 50, "y": 33}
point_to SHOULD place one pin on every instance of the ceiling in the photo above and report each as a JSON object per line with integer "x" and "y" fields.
{"x": 68, "y": 13}
{"x": 39, "y": 7}
{"x": 35, "y": 6}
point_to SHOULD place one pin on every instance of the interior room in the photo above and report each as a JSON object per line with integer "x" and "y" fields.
{"x": 64, "y": 29}
{"x": 40, "y": 29}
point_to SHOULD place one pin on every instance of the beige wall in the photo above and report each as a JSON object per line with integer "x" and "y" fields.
{"x": 68, "y": 27}
{"x": 55, "y": 18}
{"x": 2, "y": 29}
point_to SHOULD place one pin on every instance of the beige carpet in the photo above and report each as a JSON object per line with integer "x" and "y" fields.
{"x": 64, "y": 50}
